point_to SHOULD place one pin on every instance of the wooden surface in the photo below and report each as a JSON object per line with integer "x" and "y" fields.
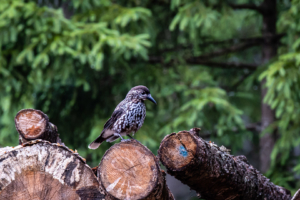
{"x": 296, "y": 195}
{"x": 212, "y": 172}
{"x": 31, "y": 123}
{"x": 41, "y": 170}
{"x": 179, "y": 150}
{"x": 34, "y": 124}
{"x": 129, "y": 170}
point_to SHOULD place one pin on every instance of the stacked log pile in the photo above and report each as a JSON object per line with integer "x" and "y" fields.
{"x": 42, "y": 167}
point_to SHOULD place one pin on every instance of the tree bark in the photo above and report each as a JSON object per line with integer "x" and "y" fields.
{"x": 41, "y": 170}
{"x": 213, "y": 172}
{"x": 296, "y": 195}
{"x": 34, "y": 124}
{"x": 269, "y": 50}
{"x": 128, "y": 170}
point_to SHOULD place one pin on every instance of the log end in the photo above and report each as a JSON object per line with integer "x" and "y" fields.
{"x": 37, "y": 184}
{"x": 31, "y": 123}
{"x": 41, "y": 170}
{"x": 177, "y": 151}
{"x": 129, "y": 170}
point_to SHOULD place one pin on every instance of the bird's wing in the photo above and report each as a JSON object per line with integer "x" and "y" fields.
{"x": 102, "y": 137}
{"x": 114, "y": 117}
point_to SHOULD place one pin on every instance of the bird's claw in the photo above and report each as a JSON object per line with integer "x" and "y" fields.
{"x": 134, "y": 139}
{"x": 125, "y": 140}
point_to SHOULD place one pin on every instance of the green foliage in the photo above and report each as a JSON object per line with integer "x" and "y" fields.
{"x": 282, "y": 78}
{"x": 203, "y": 104}
{"x": 283, "y": 83}
{"x": 77, "y": 70}
{"x": 43, "y": 52}
{"x": 200, "y": 18}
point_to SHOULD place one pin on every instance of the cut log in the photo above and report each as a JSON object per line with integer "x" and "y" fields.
{"x": 296, "y": 195}
{"x": 34, "y": 124}
{"x": 129, "y": 170}
{"x": 212, "y": 172}
{"x": 41, "y": 170}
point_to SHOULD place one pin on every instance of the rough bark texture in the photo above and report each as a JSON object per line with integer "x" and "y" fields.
{"x": 128, "y": 170}
{"x": 213, "y": 172}
{"x": 269, "y": 50}
{"x": 41, "y": 170}
{"x": 34, "y": 124}
{"x": 296, "y": 195}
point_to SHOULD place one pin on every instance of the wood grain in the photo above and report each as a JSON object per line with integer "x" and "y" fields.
{"x": 40, "y": 170}
{"x": 33, "y": 124}
{"x": 129, "y": 170}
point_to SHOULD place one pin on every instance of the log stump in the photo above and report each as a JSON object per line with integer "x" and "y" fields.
{"x": 212, "y": 172}
{"x": 128, "y": 170}
{"x": 296, "y": 195}
{"x": 40, "y": 170}
{"x": 33, "y": 124}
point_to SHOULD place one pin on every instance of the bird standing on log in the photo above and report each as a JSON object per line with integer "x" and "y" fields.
{"x": 127, "y": 118}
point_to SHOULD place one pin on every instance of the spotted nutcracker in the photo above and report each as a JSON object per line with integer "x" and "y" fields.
{"x": 127, "y": 118}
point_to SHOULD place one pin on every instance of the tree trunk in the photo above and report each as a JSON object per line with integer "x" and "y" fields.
{"x": 213, "y": 172}
{"x": 269, "y": 50}
{"x": 40, "y": 170}
{"x": 34, "y": 124}
{"x": 128, "y": 170}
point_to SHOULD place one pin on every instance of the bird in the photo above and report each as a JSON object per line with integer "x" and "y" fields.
{"x": 127, "y": 118}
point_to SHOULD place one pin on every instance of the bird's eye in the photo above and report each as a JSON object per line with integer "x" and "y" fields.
{"x": 143, "y": 93}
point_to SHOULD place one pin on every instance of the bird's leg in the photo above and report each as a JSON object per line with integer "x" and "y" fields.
{"x": 118, "y": 134}
{"x": 133, "y": 138}
{"x": 130, "y": 137}
{"x": 122, "y": 139}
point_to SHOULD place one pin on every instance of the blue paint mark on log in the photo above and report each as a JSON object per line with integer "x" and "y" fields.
{"x": 183, "y": 151}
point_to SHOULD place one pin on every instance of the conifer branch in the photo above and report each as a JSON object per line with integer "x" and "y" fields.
{"x": 199, "y": 61}
{"x": 247, "y": 42}
{"x": 233, "y": 48}
{"x": 195, "y": 60}
{"x": 246, "y": 6}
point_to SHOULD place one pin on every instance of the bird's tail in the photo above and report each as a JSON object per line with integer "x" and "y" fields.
{"x": 96, "y": 143}
{"x": 113, "y": 138}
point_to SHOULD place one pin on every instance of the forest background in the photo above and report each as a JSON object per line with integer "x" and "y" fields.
{"x": 230, "y": 67}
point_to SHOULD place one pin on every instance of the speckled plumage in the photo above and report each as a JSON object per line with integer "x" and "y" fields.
{"x": 127, "y": 118}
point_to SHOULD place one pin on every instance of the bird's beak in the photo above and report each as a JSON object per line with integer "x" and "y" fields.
{"x": 151, "y": 98}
